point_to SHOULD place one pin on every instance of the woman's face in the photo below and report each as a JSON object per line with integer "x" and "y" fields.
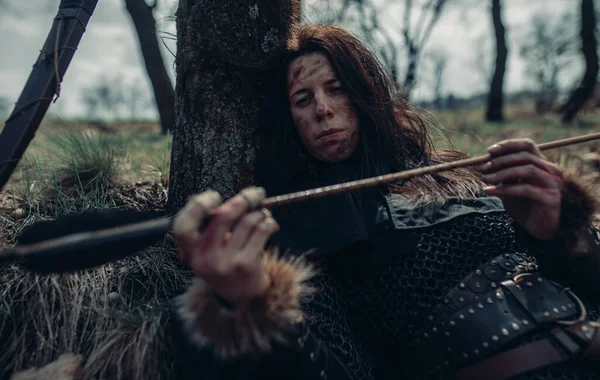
{"x": 321, "y": 109}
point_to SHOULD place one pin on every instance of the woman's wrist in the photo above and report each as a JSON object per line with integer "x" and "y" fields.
{"x": 230, "y": 292}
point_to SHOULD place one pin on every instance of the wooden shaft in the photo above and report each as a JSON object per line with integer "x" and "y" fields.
{"x": 320, "y": 192}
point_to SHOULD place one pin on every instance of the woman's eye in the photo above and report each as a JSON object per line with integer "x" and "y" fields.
{"x": 336, "y": 89}
{"x": 302, "y": 101}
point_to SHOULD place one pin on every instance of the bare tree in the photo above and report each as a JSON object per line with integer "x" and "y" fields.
{"x": 495, "y": 106}
{"x": 438, "y": 60}
{"x": 548, "y": 50}
{"x": 145, "y": 25}
{"x": 222, "y": 50}
{"x": 416, "y": 34}
{"x": 483, "y": 60}
{"x": 589, "y": 49}
{"x": 419, "y": 19}
{"x": 104, "y": 99}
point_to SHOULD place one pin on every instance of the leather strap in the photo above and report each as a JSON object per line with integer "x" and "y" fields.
{"x": 574, "y": 339}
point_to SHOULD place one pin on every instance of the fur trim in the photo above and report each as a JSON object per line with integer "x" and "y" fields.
{"x": 253, "y": 326}
{"x": 579, "y": 210}
{"x": 66, "y": 367}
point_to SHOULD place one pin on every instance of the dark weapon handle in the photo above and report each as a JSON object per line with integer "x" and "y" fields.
{"x": 86, "y": 5}
{"x": 71, "y": 21}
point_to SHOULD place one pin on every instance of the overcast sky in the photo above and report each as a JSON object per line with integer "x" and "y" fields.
{"x": 109, "y": 47}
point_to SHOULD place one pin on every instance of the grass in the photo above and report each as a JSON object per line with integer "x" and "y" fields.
{"x": 116, "y": 315}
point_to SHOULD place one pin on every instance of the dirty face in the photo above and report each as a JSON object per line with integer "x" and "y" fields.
{"x": 321, "y": 109}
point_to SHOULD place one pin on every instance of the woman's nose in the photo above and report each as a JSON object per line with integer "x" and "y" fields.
{"x": 323, "y": 107}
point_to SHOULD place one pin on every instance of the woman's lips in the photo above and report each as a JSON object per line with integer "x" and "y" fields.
{"x": 329, "y": 134}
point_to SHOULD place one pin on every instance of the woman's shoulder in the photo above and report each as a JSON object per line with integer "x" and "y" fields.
{"x": 406, "y": 213}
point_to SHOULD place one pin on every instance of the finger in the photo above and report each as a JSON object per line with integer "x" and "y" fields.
{"x": 513, "y": 146}
{"x": 253, "y": 196}
{"x": 518, "y": 159}
{"x": 257, "y": 240}
{"x": 549, "y": 197}
{"x": 228, "y": 214}
{"x": 186, "y": 225}
{"x": 526, "y": 173}
{"x": 242, "y": 230}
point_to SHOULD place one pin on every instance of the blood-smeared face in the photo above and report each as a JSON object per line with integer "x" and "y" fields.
{"x": 321, "y": 109}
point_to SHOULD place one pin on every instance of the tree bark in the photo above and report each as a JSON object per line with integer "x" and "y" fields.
{"x": 164, "y": 94}
{"x": 222, "y": 48}
{"x": 589, "y": 45}
{"x": 495, "y": 106}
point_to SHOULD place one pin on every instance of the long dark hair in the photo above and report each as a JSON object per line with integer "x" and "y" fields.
{"x": 393, "y": 136}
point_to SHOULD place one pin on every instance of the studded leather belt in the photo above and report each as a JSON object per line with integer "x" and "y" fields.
{"x": 580, "y": 340}
{"x": 482, "y": 314}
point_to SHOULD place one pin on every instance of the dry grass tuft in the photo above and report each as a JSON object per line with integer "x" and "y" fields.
{"x": 115, "y": 316}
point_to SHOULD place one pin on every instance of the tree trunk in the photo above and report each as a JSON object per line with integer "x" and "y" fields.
{"x": 411, "y": 70}
{"x": 164, "y": 94}
{"x": 495, "y": 106}
{"x": 589, "y": 45}
{"x": 222, "y": 48}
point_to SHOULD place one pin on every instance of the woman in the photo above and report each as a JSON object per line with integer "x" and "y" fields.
{"x": 444, "y": 275}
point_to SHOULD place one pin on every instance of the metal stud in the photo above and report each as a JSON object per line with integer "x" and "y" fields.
{"x": 489, "y": 300}
{"x": 447, "y": 333}
{"x": 485, "y": 344}
{"x": 546, "y": 313}
{"x": 434, "y": 329}
{"x": 461, "y": 299}
{"x": 430, "y": 317}
{"x": 462, "y": 285}
{"x": 322, "y": 374}
{"x": 495, "y": 338}
{"x": 525, "y": 322}
{"x": 452, "y": 323}
{"x": 555, "y": 310}
{"x": 515, "y": 326}
{"x": 312, "y": 356}
{"x": 446, "y": 301}
{"x": 471, "y": 311}
{"x": 499, "y": 295}
{"x": 494, "y": 285}
{"x": 480, "y": 305}
{"x": 426, "y": 335}
{"x": 446, "y": 363}
{"x": 584, "y": 328}
{"x": 529, "y": 284}
{"x": 461, "y": 316}
{"x": 539, "y": 279}
{"x": 465, "y": 355}
{"x": 519, "y": 287}
{"x": 478, "y": 272}
{"x": 449, "y": 349}
{"x": 476, "y": 352}
{"x": 564, "y": 307}
{"x": 505, "y": 332}
{"x": 494, "y": 262}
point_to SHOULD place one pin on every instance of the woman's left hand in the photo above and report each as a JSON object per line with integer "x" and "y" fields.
{"x": 528, "y": 184}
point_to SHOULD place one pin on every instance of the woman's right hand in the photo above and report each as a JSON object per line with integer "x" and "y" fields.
{"x": 227, "y": 254}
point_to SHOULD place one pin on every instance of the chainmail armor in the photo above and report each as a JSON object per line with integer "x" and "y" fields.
{"x": 382, "y": 300}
